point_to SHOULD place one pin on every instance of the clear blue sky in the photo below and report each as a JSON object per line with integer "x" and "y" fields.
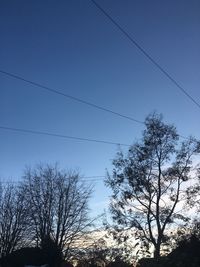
{"x": 71, "y": 46}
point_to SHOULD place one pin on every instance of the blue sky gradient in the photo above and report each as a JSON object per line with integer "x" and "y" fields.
{"x": 71, "y": 46}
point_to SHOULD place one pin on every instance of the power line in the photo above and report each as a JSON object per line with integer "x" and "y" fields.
{"x": 60, "y": 135}
{"x": 92, "y": 180}
{"x": 95, "y": 178}
{"x": 55, "y": 91}
{"x": 75, "y": 99}
{"x": 27, "y": 131}
{"x": 145, "y": 53}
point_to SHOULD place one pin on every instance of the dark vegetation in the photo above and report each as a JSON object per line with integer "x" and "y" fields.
{"x": 186, "y": 254}
{"x": 26, "y": 256}
{"x": 150, "y": 181}
{"x": 154, "y": 185}
{"x": 42, "y": 216}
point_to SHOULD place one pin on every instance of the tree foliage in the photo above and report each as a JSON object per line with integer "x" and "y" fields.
{"x": 149, "y": 183}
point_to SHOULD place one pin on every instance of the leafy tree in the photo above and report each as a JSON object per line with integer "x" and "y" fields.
{"x": 58, "y": 205}
{"x": 193, "y": 192}
{"x": 149, "y": 183}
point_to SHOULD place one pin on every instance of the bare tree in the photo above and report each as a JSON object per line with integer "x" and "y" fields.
{"x": 150, "y": 182}
{"x": 13, "y": 219}
{"x": 58, "y": 205}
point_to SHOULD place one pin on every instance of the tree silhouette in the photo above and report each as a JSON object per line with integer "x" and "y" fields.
{"x": 14, "y": 222}
{"x": 58, "y": 205}
{"x": 149, "y": 183}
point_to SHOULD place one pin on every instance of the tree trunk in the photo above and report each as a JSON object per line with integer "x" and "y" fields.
{"x": 157, "y": 251}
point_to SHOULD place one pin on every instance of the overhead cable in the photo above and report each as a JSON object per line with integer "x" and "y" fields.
{"x": 75, "y": 99}
{"x": 28, "y": 131}
{"x": 58, "y": 92}
{"x": 60, "y": 135}
{"x": 145, "y": 53}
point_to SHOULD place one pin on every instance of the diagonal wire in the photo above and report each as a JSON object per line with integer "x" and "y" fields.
{"x": 55, "y": 91}
{"x": 145, "y": 53}
{"x": 13, "y": 129}
{"x": 75, "y": 99}
{"x": 60, "y": 135}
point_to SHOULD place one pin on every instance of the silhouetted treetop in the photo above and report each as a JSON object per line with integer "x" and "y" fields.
{"x": 150, "y": 181}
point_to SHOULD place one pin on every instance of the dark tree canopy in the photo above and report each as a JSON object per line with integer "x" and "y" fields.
{"x": 58, "y": 205}
{"x": 149, "y": 183}
{"x": 47, "y": 209}
{"x": 14, "y": 222}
